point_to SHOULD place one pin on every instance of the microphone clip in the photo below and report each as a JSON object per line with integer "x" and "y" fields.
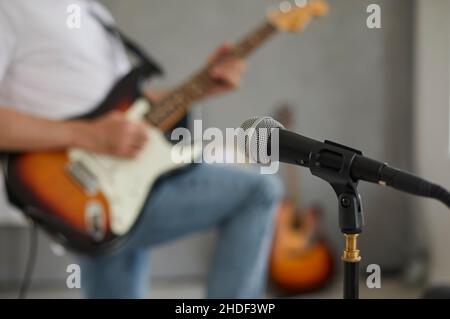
{"x": 324, "y": 164}
{"x": 332, "y": 162}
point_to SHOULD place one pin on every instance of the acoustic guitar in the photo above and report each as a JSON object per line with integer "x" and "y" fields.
{"x": 91, "y": 202}
{"x": 300, "y": 261}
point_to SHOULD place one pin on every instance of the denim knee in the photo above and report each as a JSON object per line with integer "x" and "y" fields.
{"x": 270, "y": 188}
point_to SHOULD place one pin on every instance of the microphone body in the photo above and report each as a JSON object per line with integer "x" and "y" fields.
{"x": 298, "y": 150}
{"x": 333, "y": 161}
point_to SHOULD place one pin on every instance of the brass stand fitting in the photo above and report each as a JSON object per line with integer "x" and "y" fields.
{"x": 351, "y": 253}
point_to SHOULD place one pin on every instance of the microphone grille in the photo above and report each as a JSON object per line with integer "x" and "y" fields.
{"x": 261, "y": 122}
{"x": 249, "y": 123}
{"x": 256, "y": 137}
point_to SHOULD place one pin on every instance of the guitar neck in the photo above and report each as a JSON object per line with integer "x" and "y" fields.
{"x": 165, "y": 113}
{"x": 292, "y": 185}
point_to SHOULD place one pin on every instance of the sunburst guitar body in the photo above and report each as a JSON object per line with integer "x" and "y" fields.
{"x": 298, "y": 264}
{"x": 92, "y": 201}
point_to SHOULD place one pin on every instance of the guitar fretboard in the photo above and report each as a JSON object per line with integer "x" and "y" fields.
{"x": 165, "y": 113}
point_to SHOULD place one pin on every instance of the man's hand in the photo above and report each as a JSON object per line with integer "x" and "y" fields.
{"x": 225, "y": 69}
{"x": 112, "y": 134}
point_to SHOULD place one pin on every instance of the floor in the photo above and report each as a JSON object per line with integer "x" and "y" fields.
{"x": 193, "y": 289}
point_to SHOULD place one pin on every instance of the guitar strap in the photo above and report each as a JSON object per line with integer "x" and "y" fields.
{"x": 136, "y": 50}
{"x": 131, "y": 46}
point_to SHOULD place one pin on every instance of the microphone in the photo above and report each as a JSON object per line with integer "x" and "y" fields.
{"x": 330, "y": 159}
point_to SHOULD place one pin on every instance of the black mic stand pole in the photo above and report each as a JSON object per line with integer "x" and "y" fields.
{"x": 351, "y": 218}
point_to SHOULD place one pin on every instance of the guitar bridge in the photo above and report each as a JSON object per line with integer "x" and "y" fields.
{"x": 83, "y": 177}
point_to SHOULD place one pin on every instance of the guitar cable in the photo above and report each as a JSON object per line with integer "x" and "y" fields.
{"x": 31, "y": 262}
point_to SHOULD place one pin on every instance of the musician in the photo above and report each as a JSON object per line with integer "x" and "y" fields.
{"x": 49, "y": 72}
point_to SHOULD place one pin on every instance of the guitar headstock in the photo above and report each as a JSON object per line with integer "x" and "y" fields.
{"x": 294, "y": 16}
{"x": 285, "y": 115}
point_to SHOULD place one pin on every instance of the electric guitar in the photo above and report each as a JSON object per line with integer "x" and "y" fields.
{"x": 91, "y": 202}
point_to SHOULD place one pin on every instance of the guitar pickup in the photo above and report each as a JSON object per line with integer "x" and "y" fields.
{"x": 83, "y": 177}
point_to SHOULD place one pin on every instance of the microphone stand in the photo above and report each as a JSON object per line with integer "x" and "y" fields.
{"x": 333, "y": 163}
{"x": 351, "y": 218}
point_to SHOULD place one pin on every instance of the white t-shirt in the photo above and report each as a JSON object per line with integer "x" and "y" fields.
{"x": 50, "y": 69}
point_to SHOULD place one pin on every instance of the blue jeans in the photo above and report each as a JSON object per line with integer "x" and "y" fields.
{"x": 240, "y": 203}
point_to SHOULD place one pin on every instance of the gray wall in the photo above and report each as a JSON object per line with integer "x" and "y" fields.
{"x": 350, "y": 84}
{"x": 431, "y": 123}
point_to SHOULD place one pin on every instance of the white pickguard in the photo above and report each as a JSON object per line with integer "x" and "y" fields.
{"x": 127, "y": 183}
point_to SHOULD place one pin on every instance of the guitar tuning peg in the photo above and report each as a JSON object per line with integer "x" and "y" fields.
{"x": 301, "y": 3}
{"x": 285, "y": 6}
